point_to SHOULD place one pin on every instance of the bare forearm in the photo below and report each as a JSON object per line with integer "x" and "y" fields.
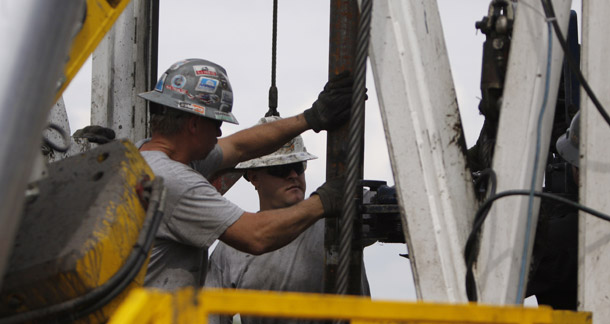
{"x": 261, "y": 139}
{"x": 272, "y": 229}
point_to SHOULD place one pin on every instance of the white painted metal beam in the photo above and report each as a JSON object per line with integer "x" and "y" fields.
{"x": 36, "y": 39}
{"x": 425, "y": 141}
{"x": 121, "y": 68}
{"x": 594, "y": 236}
{"x": 504, "y": 237}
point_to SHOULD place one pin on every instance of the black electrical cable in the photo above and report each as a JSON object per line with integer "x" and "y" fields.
{"x": 100, "y": 296}
{"x": 545, "y": 195}
{"x": 64, "y": 135}
{"x": 142, "y": 254}
{"x": 549, "y": 11}
{"x": 470, "y": 251}
{"x": 273, "y": 89}
{"x": 355, "y": 147}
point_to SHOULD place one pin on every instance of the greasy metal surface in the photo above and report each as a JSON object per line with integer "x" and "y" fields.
{"x": 342, "y": 47}
{"x": 382, "y": 223}
{"x": 381, "y": 219}
{"x": 350, "y": 238}
{"x": 76, "y": 233}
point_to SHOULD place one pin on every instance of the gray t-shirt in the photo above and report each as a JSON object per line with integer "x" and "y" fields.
{"x": 195, "y": 216}
{"x": 298, "y": 266}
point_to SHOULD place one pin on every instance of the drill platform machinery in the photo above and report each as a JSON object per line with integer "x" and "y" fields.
{"x": 95, "y": 254}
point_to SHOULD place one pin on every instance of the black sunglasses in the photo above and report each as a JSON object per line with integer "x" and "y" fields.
{"x": 282, "y": 171}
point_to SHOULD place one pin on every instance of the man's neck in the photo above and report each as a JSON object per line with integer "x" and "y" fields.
{"x": 269, "y": 205}
{"x": 167, "y": 146}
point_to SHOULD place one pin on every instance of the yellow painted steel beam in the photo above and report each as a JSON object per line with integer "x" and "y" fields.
{"x": 567, "y": 317}
{"x": 91, "y": 215}
{"x": 101, "y": 15}
{"x": 188, "y": 307}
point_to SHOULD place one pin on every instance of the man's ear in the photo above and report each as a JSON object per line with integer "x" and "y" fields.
{"x": 191, "y": 124}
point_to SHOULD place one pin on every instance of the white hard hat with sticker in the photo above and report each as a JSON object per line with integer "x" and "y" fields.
{"x": 291, "y": 152}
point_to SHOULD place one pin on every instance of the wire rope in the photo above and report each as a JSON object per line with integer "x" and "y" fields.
{"x": 355, "y": 147}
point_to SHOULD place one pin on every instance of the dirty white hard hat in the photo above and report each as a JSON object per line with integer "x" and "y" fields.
{"x": 291, "y": 152}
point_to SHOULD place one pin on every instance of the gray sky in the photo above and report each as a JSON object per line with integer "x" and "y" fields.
{"x": 237, "y": 35}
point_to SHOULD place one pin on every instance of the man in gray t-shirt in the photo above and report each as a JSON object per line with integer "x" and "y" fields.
{"x": 188, "y": 105}
{"x": 279, "y": 179}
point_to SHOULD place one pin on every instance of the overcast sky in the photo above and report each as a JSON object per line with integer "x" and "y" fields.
{"x": 237, "y": 35}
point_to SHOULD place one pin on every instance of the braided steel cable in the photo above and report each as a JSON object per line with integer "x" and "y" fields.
{"x": 273, "y": 89}
{"x": 355, "y": 148}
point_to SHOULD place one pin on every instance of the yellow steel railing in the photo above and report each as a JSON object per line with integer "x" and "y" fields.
{"x": 185, "y": 306}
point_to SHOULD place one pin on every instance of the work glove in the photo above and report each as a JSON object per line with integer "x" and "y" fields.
{"x": 331, "y": 196}
{"x": 95, "y": 134}
{"x": 332, "y": 108}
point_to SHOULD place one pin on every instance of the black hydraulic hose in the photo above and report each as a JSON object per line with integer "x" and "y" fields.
{"x": 101, "y": 295}
{"x": 133, "y": 271}
{"x": 550, "y": 14}
{"x": 470, "y": 253}
{"x": 546, "y": 195}
{"x": 355, "y": 147}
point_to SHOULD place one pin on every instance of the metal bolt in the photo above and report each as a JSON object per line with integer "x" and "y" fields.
{"x": 497, "y": 43}
{"x": 502, "y": 25}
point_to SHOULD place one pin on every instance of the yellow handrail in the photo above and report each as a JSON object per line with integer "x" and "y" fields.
{"x": 183, "y": 306}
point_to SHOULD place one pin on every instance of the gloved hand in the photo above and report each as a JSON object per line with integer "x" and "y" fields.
{"x": 331, "y": 195}
{"x": 95, "y": 134}
{"x": 332, "y": 108}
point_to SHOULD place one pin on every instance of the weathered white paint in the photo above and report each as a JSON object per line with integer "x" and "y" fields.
{"x": 423, "y": 130}
{"x": 594, "y": 236}
{"x": 120, "y": 71}
{"x": 504, "y": 231}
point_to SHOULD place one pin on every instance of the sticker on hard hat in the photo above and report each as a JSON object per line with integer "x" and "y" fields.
{"x": 225, "y": 108}
{"x": 227, "y": 97}
{"x": 223, "y": 116}
{"x": 192, "y": 107}
{"x": 208, "y": 99}
{"x": 178, "y": 81}
{"x": 159, "y": 85}
{"x": 178, "y": 64}
{"x": 204, "y": 70}
{"x": 207, "y": 85}
{"x": 171, "y": 87}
